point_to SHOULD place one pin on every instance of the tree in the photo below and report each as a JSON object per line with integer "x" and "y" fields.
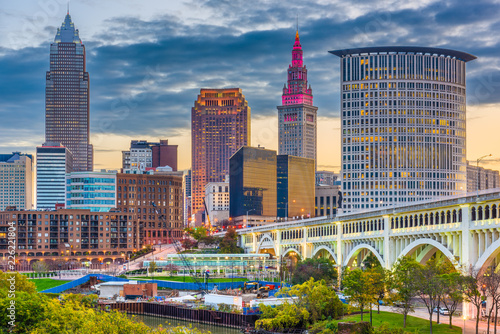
{"x": 491, "y": 283}
{"x": 359, "y": 286}
{"x": 429, "y": 287}
{"x": 316, "y": 268}
{"x": 40, "y": 267}
{"x": 402, "y": 282}
{"x": 371, "y": 262}
{"x": 228, "y": 244}
{"x": 453, "y": 296}
{"x": 152, "y": 267}
{"x": 313, "y": 301}
{"x": 380, "y": 279}
{"x": 21, "y": 282}
{"x": 198, "y": 232}
{"x": 188, "y": 243}
{"x": 470, "y": 288}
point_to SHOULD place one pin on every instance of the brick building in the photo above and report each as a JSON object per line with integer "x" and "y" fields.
{"x": 135, "y": 195}
{"x": 70, "y": 235}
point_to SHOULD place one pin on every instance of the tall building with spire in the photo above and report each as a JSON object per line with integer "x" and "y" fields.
{"x": 67, "y": 96}
{"x": 297, "y": 115}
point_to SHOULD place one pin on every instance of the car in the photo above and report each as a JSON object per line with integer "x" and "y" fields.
{"x": 444, "y": 311}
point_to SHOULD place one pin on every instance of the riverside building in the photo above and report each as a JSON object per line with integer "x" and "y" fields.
{"x": 403, "y": 125}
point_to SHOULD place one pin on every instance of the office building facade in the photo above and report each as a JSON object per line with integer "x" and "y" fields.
{"x": 295, "y": 186}
{"x": 53, "y": 161}
{"x": 220, "y": 125}
{"x": 16, "y": 181}
{"x": 403, "y": 125}
{"x": 253, "y": 183}
{"x": 94, "y": 191}
{"x": 326, "y": 178}
{"x": 217, "y": 201}
{"x": 326, "y": 200}
{"x": 297, "y": 117}
{"x": 479, "y": 178}
{"x": 144, "y": 155}
{"x": 67, "y": 96}
{"x": 135, "y": 196}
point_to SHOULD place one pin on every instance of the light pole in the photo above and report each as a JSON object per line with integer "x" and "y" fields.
{"x": 463, "y": 329}
{"x": 477, "y": 172}
{"x": 247, "y": 215}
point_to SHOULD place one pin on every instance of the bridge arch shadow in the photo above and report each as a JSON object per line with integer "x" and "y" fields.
{"x": 357, "y": 250}
{"x": 326, "y": 249}
{"x": 489, "y": 255}
{"x": 431, "y": 248}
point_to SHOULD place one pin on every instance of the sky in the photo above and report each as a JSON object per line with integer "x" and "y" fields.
{"x": 148, "y": 59}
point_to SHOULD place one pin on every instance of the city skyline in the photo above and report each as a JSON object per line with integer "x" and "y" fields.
{"x": 149, "y": 67}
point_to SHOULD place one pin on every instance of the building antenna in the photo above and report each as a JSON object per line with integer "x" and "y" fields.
{"x": 297, "y": 22}
{"x": 68, "y": 7}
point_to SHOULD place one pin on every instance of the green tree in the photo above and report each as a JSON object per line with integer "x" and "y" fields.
{"x": 402, "y": 283}
{"x": 152, "y": 267}
{"x": 21, "y": 282}
{"x": 470, "y": 288}
{"x": 198, "y": 232}
{"x": 313, "y": 301}
{"x": 359, "y": 286}
{"x": 371, "y": 262}
{"x": 316, "y": 268}
{"x": 453, "y": 296}
{"x": 229, "y": 243}
{"x": 429, "y": 287}
{"x": 40, "y": 267}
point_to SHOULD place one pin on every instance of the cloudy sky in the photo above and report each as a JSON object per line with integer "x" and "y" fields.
{"x": 148, "y": 60}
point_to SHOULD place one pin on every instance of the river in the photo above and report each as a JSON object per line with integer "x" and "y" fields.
{"x": 167, "y": 322}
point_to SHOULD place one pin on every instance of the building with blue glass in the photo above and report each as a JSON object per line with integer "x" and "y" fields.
{"x": 95, "y": 191}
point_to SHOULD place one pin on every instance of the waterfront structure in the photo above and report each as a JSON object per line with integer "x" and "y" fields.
{"x": 297, "y": 117}
{"x": 153, "y": 199}
{"x": 295, "y": 186}
{"x": 326, "y": 200}
{"x": 95, "y": 191}
{"x": 67, "y": 96}
{"x": 253, "y": 183}
{"x": 463, "y": 230}
{"x": 144, "y": 155}
{"x": 70, "y": 236}
{"x": 403, "y": 125}
{"x": 479, "y": 178}
{"x": 327, "y": 178}
{"x": 220, "y": 125}
{"x": 217, "y": 201}
{"x": 53, "y": 161}
{"x": 16, "y": 180}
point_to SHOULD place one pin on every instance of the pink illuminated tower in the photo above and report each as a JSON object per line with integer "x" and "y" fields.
{"x": 297, "y": 115}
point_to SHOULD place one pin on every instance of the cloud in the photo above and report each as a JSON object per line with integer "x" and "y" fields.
{"x": 145, "y": 74}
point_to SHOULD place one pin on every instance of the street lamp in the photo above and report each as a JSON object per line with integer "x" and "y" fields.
{"x": 477, "y": 172}
{"x": 463, "y": 329}
{"x": 247, "y": 215}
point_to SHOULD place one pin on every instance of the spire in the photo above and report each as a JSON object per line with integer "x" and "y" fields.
{"x": 297, "y": 35}
{"x": 68, "y": 7}
{"x": 67, "y": 33}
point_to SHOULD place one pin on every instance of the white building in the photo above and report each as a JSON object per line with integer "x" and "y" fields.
{"x": 217, "y": 201}
{"x": 483, "y": 178}
{"x": 403, "y": 125}
{"x": 16, "y": 182}
{"x": 53, "y": 161}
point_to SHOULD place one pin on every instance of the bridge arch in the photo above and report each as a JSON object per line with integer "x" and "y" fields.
{"x": 266, "y": 237}
{"x": 489, "y": 254}
{"x": 294, "y": 250}
{"x": 428, "y": 251}
{"x": 350, "y": 257}
{"x": 329, "y": 250}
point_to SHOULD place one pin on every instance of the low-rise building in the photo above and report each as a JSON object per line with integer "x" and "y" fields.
{"x": 479, "y": 178}
{"x": 326, "y": 200}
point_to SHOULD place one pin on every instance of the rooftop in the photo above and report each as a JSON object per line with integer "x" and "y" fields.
{"x": 406, "y": 50}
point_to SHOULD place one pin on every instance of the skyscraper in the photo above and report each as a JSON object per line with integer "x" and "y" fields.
{"x": 403, "y": 125}
{"x": 297, "y": 115}
{"x": 220, "y": 125}
{"x": 67, "y": 96}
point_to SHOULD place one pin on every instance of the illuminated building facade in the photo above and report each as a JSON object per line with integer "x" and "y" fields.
{"x": 220, "y": 125}
{"x": 95, "y": 191}
{"x": 67, "y": 96}
{"x": 252, "y": 183}
{"x": 297, "y": 116}
{"x": 296, "y": 184}
{"x": 403, "y": 125}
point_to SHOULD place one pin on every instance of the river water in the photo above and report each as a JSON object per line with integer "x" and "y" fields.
{"x": 154, "y": 322}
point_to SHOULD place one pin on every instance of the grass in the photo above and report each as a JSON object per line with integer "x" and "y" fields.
{"x": 189, "y": 279}
{"x": 413, "y": 324}
{"x": 47, "y": 283}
